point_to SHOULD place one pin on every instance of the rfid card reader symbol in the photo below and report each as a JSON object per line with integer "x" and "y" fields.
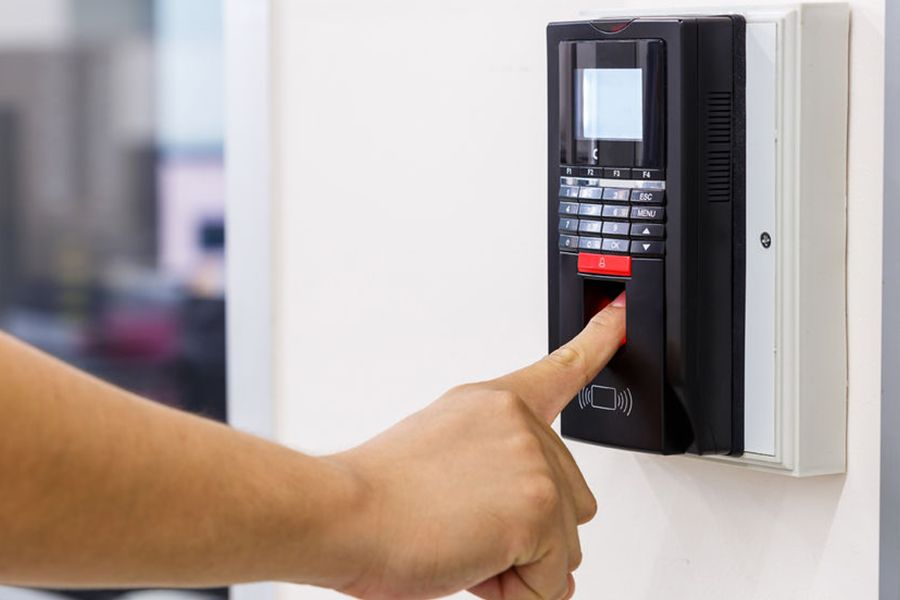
{"x": 601, "y": 397}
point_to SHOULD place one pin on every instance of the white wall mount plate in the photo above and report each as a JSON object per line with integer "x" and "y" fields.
{"x": 796, "y": 341}
{"x": 796, "y": 315}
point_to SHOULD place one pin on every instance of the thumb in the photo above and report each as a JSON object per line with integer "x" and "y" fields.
{"x": 549, "y": 385}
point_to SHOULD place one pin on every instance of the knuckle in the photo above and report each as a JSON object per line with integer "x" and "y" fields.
{"x": 527, "y": 446}
{"x": 589, "y": 510}
{"x": 575, "y": 559}
{"x": 542, "y": 495}
{"x": 562, "y": 591}
{"x": 572, "y": 360}
{"x": 568, "y": 357}
{"x": 507, "y": 401}
{"x": 463, "y": 389}
{"x": 521, "y": 542}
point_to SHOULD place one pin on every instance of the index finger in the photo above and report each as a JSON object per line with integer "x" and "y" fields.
{"x": 549, "y": 385}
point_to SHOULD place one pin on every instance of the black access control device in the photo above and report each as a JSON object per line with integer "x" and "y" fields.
{"x": 646, "y": 196}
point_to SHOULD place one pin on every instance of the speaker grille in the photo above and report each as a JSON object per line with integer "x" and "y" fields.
{"x": 719, "y": 116}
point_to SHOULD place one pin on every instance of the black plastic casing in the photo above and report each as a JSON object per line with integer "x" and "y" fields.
{"x": 680, "y": 374}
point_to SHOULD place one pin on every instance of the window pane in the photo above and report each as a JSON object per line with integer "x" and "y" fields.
{"x": 112, "y": 196}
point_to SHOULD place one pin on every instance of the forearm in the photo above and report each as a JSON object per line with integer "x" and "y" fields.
{"x": 100, "y": 488}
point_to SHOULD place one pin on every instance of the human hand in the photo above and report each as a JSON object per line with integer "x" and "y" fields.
{"x": 476, "y": 491}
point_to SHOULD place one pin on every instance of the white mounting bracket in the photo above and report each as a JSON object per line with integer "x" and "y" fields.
{"x": 796, "y": 334}
{"x": 796, "y": 312}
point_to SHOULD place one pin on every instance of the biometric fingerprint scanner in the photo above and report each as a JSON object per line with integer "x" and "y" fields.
{"x": 599, "y": 294}
{"x": 682, "y": 145}
{"x": 657, "y": 109}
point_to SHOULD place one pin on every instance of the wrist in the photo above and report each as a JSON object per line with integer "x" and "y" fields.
{"x": 341, "y": 533}
{"x": 352, "y": 531}
{"x": 305, "y": 528}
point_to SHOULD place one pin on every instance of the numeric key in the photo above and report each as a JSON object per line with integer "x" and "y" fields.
{"x": 567, "y": 224}
{"x": 615, "y": 228}
{"x": 590, "y": 210}
{"x": 568, "y": 242}
{"x": 586, "y": 226}
{"x": 568, "y": 208}
{"x": 591, "y": 193}
{"x": 616, "y": 194}
{"x": 568, "y": 191}
{"x": 611, "y": 211}
{"x": 590, "y": 243}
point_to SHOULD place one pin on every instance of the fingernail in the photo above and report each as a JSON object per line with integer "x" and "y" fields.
{"x": 619, "y": 302}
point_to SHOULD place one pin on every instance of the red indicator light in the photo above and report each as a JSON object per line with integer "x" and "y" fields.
{"x": 611, "y": 27}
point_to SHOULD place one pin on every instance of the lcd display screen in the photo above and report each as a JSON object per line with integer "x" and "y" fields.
{"x": 609, "y": 104}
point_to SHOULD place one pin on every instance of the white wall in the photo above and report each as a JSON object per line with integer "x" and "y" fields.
{"x": 411, "y": 225}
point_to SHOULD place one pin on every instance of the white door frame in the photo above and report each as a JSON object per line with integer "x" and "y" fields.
{"x": 248, "y": 168}
{"x": 889, "y": 555}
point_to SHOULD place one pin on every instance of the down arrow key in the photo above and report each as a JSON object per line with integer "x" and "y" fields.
{"x": 648, "y": 248}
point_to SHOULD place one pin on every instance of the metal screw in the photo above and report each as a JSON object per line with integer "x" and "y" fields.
{"x": 765, "y": 239}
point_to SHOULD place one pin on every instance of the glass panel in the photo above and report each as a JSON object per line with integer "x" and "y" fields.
{"x": 112, "y": 198}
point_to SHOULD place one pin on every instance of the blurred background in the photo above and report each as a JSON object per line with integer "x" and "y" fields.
{"x": 112, "y": 198}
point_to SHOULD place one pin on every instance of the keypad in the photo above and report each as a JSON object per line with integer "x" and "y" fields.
{"x": 612, "y": 210}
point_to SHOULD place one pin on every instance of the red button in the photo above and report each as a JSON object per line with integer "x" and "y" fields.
{"x": 604, "y": 264}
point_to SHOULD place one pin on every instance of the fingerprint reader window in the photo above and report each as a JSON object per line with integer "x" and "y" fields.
{"x": 603, "y": 397}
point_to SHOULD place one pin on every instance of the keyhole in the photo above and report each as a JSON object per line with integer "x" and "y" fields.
{"x": 765, "y": 239}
